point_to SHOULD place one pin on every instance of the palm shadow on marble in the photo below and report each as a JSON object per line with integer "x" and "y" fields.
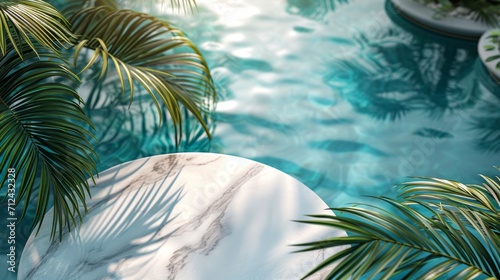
{"x": 112, "y": 241}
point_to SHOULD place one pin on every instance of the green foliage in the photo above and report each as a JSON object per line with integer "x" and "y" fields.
{"x": 487, "y": 11}
{"x": 29, "y": 21}
{"x": 440, "y": 230}
{"x": 136, "y": 45}
{"x": 42, "y": 122}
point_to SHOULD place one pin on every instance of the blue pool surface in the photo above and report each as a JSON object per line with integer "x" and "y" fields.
{"x": 345, "y": 96}
{"x": 348, "y": 98}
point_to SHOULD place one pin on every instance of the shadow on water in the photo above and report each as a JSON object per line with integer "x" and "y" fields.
{"x": 486, "y": 123}
{"x": 432, "y": 133}
{"x": 485, "y": 119}
{"x": 245, "y": 123}
{"x": 393, "y": 73}
{"x": 401, "y": 69}
{"x": 487, "y": 127}
{"x": 414, "y": 84}
{"x": 344, "y": 146}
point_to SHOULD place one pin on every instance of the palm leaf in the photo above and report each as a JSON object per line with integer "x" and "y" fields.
{"x": 41, "y": 123}
{"x": 439, "y": 193}
{"x": 29, "y": 21}
{"x": 152, "y": 53}
{"x": 441, "y": 228}
{"x": 73, "y": 6}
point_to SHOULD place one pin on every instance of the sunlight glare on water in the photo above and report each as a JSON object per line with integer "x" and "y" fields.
{"x": 347, "y": 97}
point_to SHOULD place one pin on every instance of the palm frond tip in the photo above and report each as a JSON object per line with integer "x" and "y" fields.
{"x": 35, "y": 23}
{"x": 152, "y": 53}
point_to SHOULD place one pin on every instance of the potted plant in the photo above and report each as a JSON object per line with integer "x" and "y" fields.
{"x": 489, "y": 51}
{"x": 45, "y": 135}
{"x": 461, "y": 18}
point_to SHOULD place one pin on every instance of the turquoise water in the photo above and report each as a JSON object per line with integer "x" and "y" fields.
{"x": 348, "y": 98}
{"x": 345, "y": 96}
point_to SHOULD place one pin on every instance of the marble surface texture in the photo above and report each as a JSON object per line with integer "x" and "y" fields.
{"x": 185, "y": 216}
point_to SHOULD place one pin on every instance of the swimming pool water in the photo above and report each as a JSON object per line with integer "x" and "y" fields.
{"x": 345, "y": 96}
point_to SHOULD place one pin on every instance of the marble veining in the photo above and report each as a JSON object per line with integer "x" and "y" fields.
{"x": 185, "y": 216}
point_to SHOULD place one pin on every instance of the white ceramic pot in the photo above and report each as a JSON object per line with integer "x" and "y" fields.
{"x": 425, "y": 16}
{"x": 484, "y": 54}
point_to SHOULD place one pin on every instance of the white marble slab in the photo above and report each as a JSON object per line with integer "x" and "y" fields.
{"x": 185, "y": 216}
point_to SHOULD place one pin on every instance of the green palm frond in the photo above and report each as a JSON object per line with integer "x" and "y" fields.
{"x": 441, "y": 230}
{"x": 73, "y": 6}
{"x": 41, "y": 123}
{"x": 148, "y": 51}
{"x": 30, "y": 22}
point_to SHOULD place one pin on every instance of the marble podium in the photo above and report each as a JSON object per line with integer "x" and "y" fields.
{"x": 185, "y": 216}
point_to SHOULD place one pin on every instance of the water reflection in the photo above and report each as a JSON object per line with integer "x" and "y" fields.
{"x": 398, "y": 69}
{"x": 488, "y": 127}
{"x": 313, "y": 9}
{"x": 486, "y": 122}
{"x": 432, "y": 133}
{"x": 392, "y": 73}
